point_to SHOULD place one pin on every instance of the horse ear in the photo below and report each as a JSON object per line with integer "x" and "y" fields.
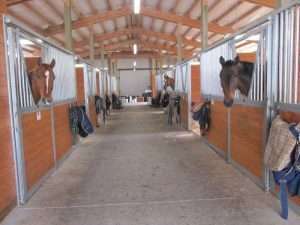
{"x": 222, "y": 60}
{"x": 237, "y": 59}
{"x": 52, "y": 63}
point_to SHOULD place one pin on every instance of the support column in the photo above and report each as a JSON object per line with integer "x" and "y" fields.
{"x": 204, "y": 24}
{"x": 68, "y": 24}
{"x": 102, "y": 56}
{"x": 8, "y": 196}
{"x": 153, "y": 80}
{"x": 92, "y": 44}
{"x": 179, "y": 43}
{"x": 279, "y": 3}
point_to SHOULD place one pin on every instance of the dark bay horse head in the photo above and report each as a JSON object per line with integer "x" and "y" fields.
{"x": 234, "y": 75}
{"x": 41, "y": 82}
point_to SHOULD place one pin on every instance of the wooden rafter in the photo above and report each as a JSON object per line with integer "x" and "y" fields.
{"x": 140, "y": 31}
{"x": 145, "y": 44}
{"x": 145, "y": 11}
{"x": 184, "y": 20}
{"x": 90, "y": 20}
{"x": 10, "y": 3}
{"x": 266, "y": 3}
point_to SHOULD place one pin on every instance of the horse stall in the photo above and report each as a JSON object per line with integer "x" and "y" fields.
{"x": 88, "y": 85}
{"x": 41, "y": 133}
{"x": 239, "y": 133}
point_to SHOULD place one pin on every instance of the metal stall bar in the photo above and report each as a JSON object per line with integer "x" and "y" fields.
{"x": 16, "y": 124}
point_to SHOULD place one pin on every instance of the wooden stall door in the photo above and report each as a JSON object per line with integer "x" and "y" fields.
{"x": 80, "y": 86}
{"x": 217, "y": 134}
{"x": 247, "y": 131}
{"x": 195, "y": 84}
{"x": 63, "y": 135}
{"x": 37, "y": 144}
{"x": 7, "y": 172}
{"x": 92, "y": 110}
{"x": 153, "y": 85}
{"x": 98, "y": 84}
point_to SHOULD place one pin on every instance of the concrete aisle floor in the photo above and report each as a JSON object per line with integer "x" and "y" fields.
{"x": 137, "y": 171}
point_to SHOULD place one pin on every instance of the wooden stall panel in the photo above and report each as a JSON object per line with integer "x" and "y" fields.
{"x": 92, "y": 109}
{"x": 7, "y": 172}
{"x": 63, "y": 135}
{"x": 153, "y": 85}
{"x": 248, "y": 57}
{"x": 247, "y": 126}
{"x": 97, "y": 83}
{"x": 217, "y": 134}
{"x": 37, "y": 143}
{"x": 80, "y": 86}
{"x": 184, "y": 111}
{"x": 195, "y": 84}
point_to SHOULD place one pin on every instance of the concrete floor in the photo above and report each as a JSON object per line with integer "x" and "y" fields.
{"x": 138, "y": 171}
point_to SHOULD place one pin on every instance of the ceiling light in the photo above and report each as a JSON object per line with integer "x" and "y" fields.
{"x": 135, "y": 49}
{"x": 79, "y": 65}
{"x": 137, "y": 6}
{"x": 24, "y": 42}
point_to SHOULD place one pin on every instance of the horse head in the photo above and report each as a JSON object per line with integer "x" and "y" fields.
{"x": 234, "y": 75}
{"x": 41, "y": 82}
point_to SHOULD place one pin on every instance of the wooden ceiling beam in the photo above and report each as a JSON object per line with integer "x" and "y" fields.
{"x": 90, "y": 20}
{"x": 141, "y": 31}
{"x": 145, "y": 11}
{"x": 142, "y": 44}
{"x": 184, "y": 20}
{"x": 128, "y": 54}
{"x": 10, "y": 3}
{"x": 228, "y": 11}
{"x": 266, "y": 3}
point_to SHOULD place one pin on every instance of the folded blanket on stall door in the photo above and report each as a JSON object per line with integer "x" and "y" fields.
{"x": 285, "y": 154}
{"x": 79, "y": 121}
{"x": 281, "y": 143}
{"x": 203, "y": 116}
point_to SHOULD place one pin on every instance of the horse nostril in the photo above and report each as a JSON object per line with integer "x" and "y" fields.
{"x": 228, "y": 103}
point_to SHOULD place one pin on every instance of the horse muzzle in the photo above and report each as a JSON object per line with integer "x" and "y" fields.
{"x": 228, "y": 103}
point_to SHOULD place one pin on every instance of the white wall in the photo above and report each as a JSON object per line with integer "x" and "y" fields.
{"x": 134, "y": 83}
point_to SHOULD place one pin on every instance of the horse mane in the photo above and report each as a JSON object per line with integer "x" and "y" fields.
{"x": 248, "y": 68}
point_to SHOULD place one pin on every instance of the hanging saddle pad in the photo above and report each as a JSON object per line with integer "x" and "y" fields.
{"x": 280, "y": 146}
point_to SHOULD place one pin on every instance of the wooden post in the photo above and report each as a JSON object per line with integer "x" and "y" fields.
{"x": 7, "y": 172}
{"x": 68, "y": 24}
{"x": 92, "y": 43}
{"x": 102, "y": 56}
{"x": 204, "y": 24}
{"x": 179, "y": 43}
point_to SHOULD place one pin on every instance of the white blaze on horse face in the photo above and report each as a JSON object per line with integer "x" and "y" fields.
{"x": 47, "y": 75}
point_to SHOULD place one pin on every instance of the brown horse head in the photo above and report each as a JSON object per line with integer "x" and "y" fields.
{"x": 41, "y": 82}
{"x": 234, "y": 75}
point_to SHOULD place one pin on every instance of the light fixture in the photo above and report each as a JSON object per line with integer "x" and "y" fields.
{"x": 134, "y": 66}
{"x": 137, "y": 6}
{"x": 25, "y": 42}
{"x": 79, "y": 66}
{"x": 135, "y": 49}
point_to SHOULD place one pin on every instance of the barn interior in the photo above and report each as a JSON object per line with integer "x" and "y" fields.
{"x": 87, "y": 137}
